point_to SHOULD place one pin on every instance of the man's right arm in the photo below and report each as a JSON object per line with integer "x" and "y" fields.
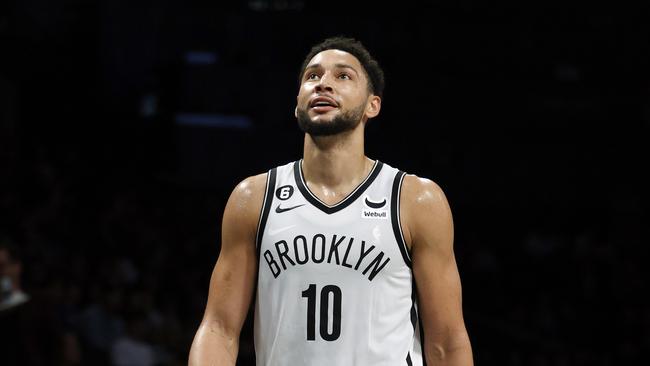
{"x": 216, "y": 342}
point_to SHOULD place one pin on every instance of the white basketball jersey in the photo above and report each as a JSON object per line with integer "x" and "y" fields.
{"x": 335, "y": 286}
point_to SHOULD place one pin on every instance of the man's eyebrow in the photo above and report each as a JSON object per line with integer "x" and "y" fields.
{"x": 346, "y": 66}
{"x": 340, "y": 66}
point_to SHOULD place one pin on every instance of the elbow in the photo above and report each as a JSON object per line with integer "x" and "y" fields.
{"x": 452, "y": 350}
{"x": 214, "y": 343}
{"x": 220, "y": 328}
{"x": 436, "y": 352}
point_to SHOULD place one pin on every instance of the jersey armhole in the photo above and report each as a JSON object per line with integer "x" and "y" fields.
{"x": 266, "y": 208}
{"x": 395, "y": 217}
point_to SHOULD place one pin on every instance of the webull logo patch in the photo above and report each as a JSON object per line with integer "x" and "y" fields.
{"x": 374, "y": 214}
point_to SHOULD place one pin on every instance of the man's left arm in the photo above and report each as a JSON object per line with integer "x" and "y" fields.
{"x": 428, "y": 227}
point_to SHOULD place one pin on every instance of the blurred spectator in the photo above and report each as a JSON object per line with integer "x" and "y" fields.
{"x": 100, "y": 324}
{"x": 133, "y": 348}
{"x": 30, "y": 333}
{"x": 11, "y": 293}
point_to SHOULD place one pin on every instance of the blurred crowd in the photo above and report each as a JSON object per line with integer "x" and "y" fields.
{"x": 114, "y": 274}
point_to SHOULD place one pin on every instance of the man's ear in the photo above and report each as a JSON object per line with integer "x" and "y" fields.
{"x": 373, "y": 107}
{"x": 295, "y": 112}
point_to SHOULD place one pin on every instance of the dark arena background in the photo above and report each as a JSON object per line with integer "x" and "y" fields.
{"x": 125, "y": 125}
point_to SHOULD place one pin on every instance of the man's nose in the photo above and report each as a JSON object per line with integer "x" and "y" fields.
{"x": 324, "y": 83}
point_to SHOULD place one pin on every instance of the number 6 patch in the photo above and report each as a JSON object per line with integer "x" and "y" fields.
{"x": 284, "y": 193}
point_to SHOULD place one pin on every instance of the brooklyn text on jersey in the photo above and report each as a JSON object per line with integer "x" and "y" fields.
{"x": 320, "y": 249}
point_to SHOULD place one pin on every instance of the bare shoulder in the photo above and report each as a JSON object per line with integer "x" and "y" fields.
{"x": 246, "y": 199}
{"x": 424, "y": 209}
{"x": 250, "y": 188}
{"x": 422, "y": 191}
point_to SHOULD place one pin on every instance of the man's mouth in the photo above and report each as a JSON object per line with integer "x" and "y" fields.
{"x": 323, "y": 104}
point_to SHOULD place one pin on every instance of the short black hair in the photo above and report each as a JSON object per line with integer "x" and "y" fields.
{"x": 354, "y": 47}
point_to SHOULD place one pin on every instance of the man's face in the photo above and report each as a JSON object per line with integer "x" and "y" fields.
{"x": 333, "y": 95}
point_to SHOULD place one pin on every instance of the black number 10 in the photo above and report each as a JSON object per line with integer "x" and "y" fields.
{"x": 310, "y": 294}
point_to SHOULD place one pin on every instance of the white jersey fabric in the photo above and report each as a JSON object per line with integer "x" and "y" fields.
{"x": 335, "y": 285}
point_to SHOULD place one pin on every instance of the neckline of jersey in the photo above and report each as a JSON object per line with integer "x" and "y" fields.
{"x": 351, "y": 197}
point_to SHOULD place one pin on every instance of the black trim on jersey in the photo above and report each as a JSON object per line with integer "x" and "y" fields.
{"x": 424, "y": 356}
{"x": 414, "y": 313}
{"x": 266, "y": 207}
{"x": 394, "y": 214}
{"x": 302, "y": 186}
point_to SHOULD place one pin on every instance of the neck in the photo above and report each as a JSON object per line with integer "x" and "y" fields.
{"x": 335, "y": 160}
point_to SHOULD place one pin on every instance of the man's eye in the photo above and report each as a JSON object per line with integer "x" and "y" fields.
{"x": 312, "y": 76}
{"x": 344, "y": 76}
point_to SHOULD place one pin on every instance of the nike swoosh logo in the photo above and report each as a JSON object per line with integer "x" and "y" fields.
{"x": 281, "y": 210}
{"x": 277, "y": 231}
{"x": 375, "y": 204}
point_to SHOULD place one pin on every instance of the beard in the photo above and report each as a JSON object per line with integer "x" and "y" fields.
{"x": 343, "y": 122}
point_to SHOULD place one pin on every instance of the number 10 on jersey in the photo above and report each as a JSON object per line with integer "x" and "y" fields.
{"x": 325, "y": 332}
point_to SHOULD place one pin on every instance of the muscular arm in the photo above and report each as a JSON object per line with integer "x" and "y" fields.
{"x": 428, "y": 227}
{"x": 216, "y": 342}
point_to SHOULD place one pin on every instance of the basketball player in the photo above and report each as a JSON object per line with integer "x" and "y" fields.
{"x": 351, "y": 260}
